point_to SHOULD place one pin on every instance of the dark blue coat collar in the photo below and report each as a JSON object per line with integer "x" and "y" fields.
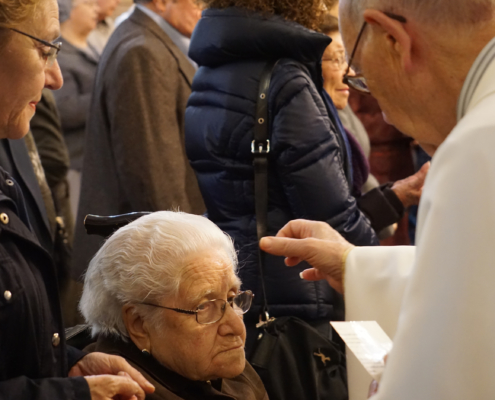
{"x": 234, "y": 34}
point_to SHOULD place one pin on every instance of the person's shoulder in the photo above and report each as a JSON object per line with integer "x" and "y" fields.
{"x": 289, "y": 78}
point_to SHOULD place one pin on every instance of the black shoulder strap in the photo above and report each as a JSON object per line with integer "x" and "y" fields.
{"x": 260, "y": 147}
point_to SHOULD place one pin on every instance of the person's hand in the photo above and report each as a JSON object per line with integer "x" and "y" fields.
{"x": 409, "y": 190}
{"x": 373, "y": 389}
{"x": 374, "y": 385}
{"x": 108, "y": 387}
{"x": 106, "y": 364}
{"x": 314, "y": 242}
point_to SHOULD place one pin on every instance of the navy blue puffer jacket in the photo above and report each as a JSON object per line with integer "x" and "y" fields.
{"x": 308, "y": 168}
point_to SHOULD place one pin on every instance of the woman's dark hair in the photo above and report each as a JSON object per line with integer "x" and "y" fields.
{"x": 329, "y": 24}
{"x": 308, "y": 13}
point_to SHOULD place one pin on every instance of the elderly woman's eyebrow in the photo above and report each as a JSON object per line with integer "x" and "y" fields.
{"x": 53, "y": 35}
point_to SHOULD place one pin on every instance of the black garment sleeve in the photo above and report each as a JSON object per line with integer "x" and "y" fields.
{"x": 23, "y": 388}
{"x": 382, "y": 206}
{"x": 73, "y": 356}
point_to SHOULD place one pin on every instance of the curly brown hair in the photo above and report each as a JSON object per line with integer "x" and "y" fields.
{"x": 14, "y": 12}
{"x": 308, "y": 13}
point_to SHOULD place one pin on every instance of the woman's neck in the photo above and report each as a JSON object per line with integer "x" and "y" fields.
{"x": 74, "y": 35}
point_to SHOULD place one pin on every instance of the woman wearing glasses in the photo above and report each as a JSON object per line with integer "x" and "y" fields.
{"x": 383, "y": 205}
{"x": 163, "y": 293}
{"x": 34, "y": 360}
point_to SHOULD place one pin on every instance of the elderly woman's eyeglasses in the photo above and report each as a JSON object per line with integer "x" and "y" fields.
{"x": 49, "y": 56}
{"x": 212, "y": 311}
{"x": 358, "y": 82}
{"x": 337, "y": 63}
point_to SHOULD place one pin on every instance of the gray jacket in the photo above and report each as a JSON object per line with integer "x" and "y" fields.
{"x": 135, "y": 157}
{"x": 73, "y": 99}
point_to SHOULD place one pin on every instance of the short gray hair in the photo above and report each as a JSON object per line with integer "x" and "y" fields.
{"x": 143, "y": 261}
{"x": 468, "y": 13}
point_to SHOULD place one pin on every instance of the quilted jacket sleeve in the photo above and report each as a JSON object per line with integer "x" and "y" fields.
{"x": 308, "y": 158}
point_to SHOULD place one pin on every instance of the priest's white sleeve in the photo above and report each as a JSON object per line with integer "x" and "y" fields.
{"x": 375, "y": 280}
{"x": 444, "y": 347}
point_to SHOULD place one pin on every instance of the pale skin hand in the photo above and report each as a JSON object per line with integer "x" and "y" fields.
{"x": 409, "y": 190}
{"x": 373, "y": 389}
{"x": 114, "y": 377}
{"x": 314, "y": 242}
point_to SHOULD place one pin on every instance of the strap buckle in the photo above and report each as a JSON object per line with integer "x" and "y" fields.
{"x": 267, "y": 320}
{"x": 262, "y": 149}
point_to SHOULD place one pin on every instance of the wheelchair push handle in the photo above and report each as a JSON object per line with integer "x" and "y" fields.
{"x": 107, "y": 225}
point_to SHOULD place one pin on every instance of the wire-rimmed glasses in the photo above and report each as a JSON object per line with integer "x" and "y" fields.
{"x": 358, "y": 82}
{"x": 212, "y": 311}
{"x": 336, "y": 63}
{"x": 51, "y": 55}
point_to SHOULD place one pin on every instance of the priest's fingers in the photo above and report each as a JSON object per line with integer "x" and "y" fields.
{"x": 292, "y": 261}
{"x": 323, "y": 255}
{"x": 302, "y": 229}
{"x": 313, "y": 274}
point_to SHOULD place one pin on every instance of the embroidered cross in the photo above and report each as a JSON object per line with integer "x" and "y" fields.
{"x": 322, "y": 356}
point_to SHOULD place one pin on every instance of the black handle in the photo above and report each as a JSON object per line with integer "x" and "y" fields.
{"x": 106, "y": 225}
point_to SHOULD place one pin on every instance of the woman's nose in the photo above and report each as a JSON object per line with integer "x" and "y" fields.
{"x": 53, "y": 76}
{"x": 231, "y": 323}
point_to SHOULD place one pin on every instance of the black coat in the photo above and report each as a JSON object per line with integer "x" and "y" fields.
{"x": 33, "y": 359}
{"x": 308, "y": 170}
{"x": 170, "y": 385}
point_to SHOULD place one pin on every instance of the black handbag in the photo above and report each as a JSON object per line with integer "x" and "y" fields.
{"x": 294, "y": 361}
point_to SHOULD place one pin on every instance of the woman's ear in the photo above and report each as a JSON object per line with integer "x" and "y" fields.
{"x": 136, "y": 327}
{"x": 398, "y": 39}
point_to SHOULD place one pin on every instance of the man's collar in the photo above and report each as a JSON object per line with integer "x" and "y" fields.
{"x": 470, "y": 93}
{"x": 181, "y": 41}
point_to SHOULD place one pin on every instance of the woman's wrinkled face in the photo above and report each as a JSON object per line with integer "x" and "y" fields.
{"x": 196, "y": 351}
{"x": 24, "y": 71}
{"x": 333, "y": 68}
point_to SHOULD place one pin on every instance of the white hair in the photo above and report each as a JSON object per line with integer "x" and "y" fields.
{"x": 143, "y": 262}
{"x": 468, "y": 13}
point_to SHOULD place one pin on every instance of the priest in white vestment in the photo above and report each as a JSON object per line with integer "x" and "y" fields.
{"x": 431, "y": 65}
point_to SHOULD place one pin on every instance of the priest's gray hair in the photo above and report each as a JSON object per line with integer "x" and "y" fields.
{"x": 143, "y": 262}
{"x": 467, "y": 13}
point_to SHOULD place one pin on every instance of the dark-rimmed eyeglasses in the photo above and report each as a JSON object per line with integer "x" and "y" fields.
{"x": 212, "y": 311}
{"x": 51, "y": 55}
{"x": 358, "y": 82}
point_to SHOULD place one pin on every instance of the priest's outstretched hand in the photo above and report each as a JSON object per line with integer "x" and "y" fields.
{"x": 314, "y": 242}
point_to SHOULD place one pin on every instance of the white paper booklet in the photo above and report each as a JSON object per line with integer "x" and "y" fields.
{"x": 369, "y": 343}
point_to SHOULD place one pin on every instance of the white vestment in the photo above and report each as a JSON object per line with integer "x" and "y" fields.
{"x": 437, "y": 300}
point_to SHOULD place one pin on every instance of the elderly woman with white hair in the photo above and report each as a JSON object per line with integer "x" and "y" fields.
{"x": 163, "y": 293}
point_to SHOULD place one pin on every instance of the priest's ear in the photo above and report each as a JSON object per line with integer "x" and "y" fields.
{"x": 390, "y": 34}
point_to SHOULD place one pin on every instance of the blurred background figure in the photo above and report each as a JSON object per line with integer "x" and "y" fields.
{"x": 78, "y": 64}
{"x": 387, "y": 149}
{"x": 333, "y": 68}
{"x": 49, "y": 148}
{"x": 99, "y": 36}
{"x": 135, "y": 157}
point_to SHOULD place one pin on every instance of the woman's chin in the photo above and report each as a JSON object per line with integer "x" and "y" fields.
{"x": 230, "y": 365}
